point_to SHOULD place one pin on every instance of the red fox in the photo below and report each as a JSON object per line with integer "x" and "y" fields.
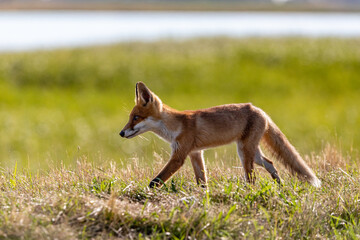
{"x": 190, "y": 132}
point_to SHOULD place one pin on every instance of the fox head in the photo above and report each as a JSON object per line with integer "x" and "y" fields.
{"x": 146, "y": 113}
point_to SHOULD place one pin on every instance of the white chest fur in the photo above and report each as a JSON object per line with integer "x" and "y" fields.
{"x": 159, "y": 127}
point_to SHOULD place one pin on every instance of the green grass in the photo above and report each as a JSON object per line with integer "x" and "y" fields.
{"x": 61, "y": 104}
{"x": 66, "y": 174}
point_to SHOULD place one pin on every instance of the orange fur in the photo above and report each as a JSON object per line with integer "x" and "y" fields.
{"x": 192, "y": 131}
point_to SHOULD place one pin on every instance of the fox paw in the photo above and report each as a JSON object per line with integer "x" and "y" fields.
{"x": 154, "y": 183}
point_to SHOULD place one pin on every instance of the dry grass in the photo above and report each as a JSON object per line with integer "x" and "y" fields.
{"x": 111, "y": 201}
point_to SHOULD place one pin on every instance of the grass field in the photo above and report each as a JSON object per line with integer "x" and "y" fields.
{"x": 109, "y": 201}
{"x": 66, "y": 173}
{"x": 57, "y": 105}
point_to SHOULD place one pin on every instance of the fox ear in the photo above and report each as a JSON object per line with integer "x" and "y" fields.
{"x": 143, "y": 94}
{"x": 136, "y": 93}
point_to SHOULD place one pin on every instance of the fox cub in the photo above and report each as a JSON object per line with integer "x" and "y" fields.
{"x": 190, "y": 132}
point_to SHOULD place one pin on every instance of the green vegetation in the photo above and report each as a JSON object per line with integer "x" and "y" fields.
{"x": 110, "y": 201}
{"x": 57, "y": 105}
{"x": 65, "y": 173}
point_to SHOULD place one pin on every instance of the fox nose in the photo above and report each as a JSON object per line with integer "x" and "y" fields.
{"x": 122, "y": 133}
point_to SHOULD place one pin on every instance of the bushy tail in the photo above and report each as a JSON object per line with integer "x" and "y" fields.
{"x": 287, "y": 154}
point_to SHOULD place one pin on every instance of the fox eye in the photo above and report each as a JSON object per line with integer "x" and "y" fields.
{"x": 136, "y": 117}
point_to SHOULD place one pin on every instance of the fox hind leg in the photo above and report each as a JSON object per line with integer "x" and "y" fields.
{"x": 248, "y": 144}
{"x": 263, "y": 161}
{"x": 247, "y": 161}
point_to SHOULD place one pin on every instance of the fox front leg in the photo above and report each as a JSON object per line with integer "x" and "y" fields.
{"x": 197, "y": 161}
{"x": 176, "y": 161}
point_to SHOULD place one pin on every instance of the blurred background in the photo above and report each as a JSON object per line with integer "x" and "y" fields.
{"x": 68, "y": 71}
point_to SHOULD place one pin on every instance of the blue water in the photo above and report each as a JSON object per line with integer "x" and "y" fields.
{"x": 28, "y": 30}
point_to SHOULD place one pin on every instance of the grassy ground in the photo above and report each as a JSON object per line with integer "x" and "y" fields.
{"x": 65, "y": 173}
{"x": 111, "y": 200}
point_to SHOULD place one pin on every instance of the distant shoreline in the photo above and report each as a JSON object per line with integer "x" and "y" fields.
{"x": 177, "y": 6}
{"x": 54, "y": 29}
